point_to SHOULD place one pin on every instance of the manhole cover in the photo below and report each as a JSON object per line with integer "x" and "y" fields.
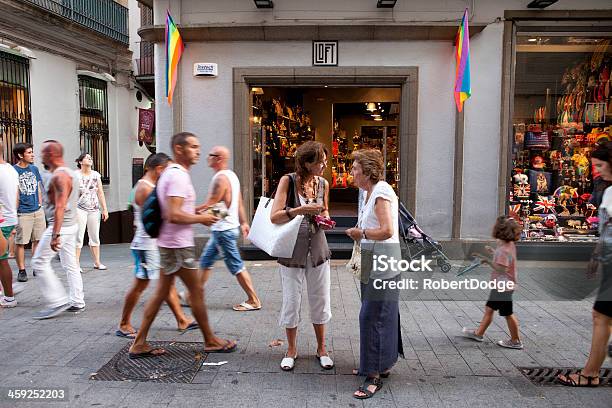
{"x": 548, "y": 375}
{"x": 180, "y": 364}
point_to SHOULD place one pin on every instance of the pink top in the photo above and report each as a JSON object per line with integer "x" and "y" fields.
{"x": 505, "y": 255}
{"x": 175, "y": 181}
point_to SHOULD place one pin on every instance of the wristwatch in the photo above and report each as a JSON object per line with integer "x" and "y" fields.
{"x": 55, "y": 235}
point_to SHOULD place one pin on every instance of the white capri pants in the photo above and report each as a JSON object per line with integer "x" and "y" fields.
{"x": 318, "y": 287}
{"x": 91, "y": 220}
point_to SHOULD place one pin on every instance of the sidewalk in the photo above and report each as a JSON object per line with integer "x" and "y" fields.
{"x": 441, "y": 368}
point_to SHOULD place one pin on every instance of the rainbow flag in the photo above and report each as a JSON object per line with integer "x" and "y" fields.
{"x": 174, "y": 50}
{"x": 463, "y": 90}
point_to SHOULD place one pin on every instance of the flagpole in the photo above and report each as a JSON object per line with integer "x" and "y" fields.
{"x": 458, "y": 174}
{"x": 462, "y": 77}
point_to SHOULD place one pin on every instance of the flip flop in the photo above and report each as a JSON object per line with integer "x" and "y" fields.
{"x": 154, "y": 352}
{"x": 125, "y": 334}
{"x": 225, "y": 349}
{"x": 245, "y": 307}
{"x": 192, "y": 326}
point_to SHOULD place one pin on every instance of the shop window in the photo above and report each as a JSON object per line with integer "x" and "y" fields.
{"x": 93, "y": 102}
{"x": 562, "y": 111}
{"x": 15, "y": 119}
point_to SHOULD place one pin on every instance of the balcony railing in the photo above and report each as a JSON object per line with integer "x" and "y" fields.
{"x": 146, "y": 66}
{"x": 103, "y": 16}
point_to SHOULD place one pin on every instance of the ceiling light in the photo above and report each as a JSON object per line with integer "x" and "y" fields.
{"x": 257, "y": 91}
{"x": 376, "y": 115}
{"x": 386, "y": 3}
{"x": 264, "y": 3}
{"x": 371, "y": 106}
{"x": 532, "y": 40}
{"x": 378, "y": 119}
{"x": 540, "y": 4}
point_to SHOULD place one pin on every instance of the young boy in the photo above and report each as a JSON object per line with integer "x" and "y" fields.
{"x": 506, "y": 231}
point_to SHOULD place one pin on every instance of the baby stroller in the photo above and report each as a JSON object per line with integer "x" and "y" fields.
{"x": 415, "y": 242}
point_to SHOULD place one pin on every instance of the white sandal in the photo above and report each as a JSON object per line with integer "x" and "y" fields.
{"x": 287, "y": 363}
{"x": 325, "y": 362}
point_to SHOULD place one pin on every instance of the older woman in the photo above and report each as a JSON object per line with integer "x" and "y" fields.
{"x": 305, "y": 192}
{"x": 602, "y": 308}
{"x": 377, "y": 229}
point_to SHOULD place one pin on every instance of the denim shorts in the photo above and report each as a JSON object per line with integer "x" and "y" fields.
{"x": 226, "y": 242}
{"x": 146, "y": 263}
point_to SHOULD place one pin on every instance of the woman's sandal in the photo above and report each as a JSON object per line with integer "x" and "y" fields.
{"x": 386, "y": 374}
{"x": 287, "y": 363}
{"x": 376, "y": 381}
{"x": 570, "y": 382}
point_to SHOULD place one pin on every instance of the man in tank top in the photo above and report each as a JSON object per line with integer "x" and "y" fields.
{"x": 62, "y": 193}
{"x": 224, "y": 197}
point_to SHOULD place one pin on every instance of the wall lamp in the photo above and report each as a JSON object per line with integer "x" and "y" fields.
{"x": 540, "y": 4}
{"x": 263, "y": 3}
{"x": 386, "y": 3}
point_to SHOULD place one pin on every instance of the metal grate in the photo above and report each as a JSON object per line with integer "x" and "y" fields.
{"x": 548, "y": 375}
{"x": 106, "y": 17}
{"x": 93, "y": 101}
{"x": 180, "y": 364}
{"x": 15, "y": 119}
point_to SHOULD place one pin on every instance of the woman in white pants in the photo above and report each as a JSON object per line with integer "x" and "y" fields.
{"x": 91, "y": 202}
{"x": 306, "y": 193}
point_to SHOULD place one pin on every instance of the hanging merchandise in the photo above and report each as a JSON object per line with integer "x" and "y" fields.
{"x": 560, "y": 121}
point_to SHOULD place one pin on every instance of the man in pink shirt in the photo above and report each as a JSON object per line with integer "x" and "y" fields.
{"x": 176, "y": 248}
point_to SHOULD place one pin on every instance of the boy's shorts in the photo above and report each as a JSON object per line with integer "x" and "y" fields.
{"x": 501, "y": 301}
{"x": 226, "y": 242}
{"x": 146, "y": 263}
{"x": 6, "y": 232}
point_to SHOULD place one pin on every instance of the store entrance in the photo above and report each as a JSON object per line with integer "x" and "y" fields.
{"x": 343, "y": 118}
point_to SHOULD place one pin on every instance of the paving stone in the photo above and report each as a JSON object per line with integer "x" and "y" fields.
{"x": 442, "y": 368}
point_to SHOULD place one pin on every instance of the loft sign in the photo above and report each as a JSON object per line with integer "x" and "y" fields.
{"x": 325, "y": 53}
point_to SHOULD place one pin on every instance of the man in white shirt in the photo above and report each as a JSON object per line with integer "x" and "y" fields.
{"x": 225, "y": 194}
{"x": 9, "y": 200}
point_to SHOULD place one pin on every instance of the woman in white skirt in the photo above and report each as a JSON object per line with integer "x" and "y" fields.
{"x": 306, "y": 193}
{"x": 91, "y": 203}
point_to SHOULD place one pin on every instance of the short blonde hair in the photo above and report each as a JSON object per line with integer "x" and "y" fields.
{"x": 371, "y": 162}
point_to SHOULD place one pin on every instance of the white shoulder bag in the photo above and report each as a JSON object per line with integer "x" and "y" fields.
{"x": 277, "y": 240}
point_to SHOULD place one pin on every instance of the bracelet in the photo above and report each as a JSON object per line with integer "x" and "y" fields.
{"x": 288, "y": 214}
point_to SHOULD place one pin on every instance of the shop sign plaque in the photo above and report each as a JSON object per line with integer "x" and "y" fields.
{"x": 208, "y": 69}
{"x": 325, "y": 53}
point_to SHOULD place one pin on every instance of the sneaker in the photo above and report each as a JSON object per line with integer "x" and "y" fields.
{"x": 75, "y": 309}
{"x": 510, "y": 344}
{"x": 7, "y": 302}
{"x": 22, "y": 276}
{"x": 471, "y": 334}
{"x": 51, "y": 312}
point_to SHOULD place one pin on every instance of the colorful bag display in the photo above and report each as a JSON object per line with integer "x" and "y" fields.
{"x": 537, "y": 140}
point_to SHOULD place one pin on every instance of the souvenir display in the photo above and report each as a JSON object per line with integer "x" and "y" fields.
{"x": 552, "y": 177}
{"x": 283, "y": 127}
